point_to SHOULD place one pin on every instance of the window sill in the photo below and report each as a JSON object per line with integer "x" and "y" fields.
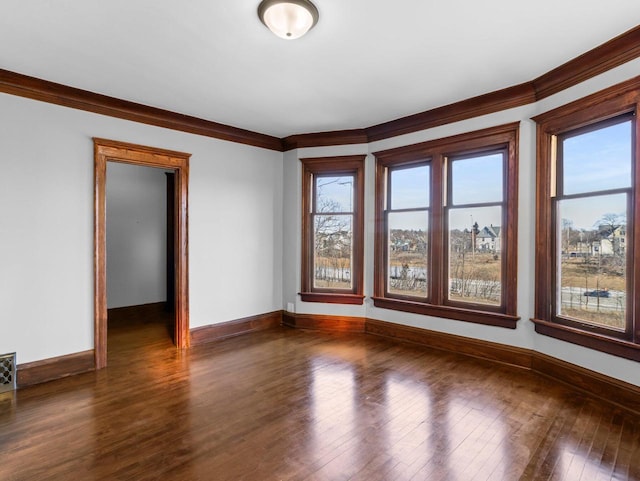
{"x": 599, "y": 342}
{"x": 448, "y": 312}
{"x": 332, "y": 298}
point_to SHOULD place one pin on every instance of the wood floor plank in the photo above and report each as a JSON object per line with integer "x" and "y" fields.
{"x": 302, "y": 406}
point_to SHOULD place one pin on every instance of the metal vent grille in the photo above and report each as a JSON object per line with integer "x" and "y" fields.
{"x": 7, "y": 372}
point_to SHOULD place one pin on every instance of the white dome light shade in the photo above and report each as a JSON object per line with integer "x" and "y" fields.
{"x": 288, "y": 19}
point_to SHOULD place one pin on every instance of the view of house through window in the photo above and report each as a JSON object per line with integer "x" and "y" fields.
{"x": 474, "y": 219}
{"x": 408, "y": 227}
{"x": 333, "y": 217}
{"x": 594, "y": 189}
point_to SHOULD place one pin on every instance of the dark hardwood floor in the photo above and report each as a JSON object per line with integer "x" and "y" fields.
{"x": 294, "y": 405}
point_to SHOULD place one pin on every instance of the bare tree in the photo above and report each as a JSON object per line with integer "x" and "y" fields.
{"x": 609, "y": 228}
{"x": 332, "y": 243}
{"x": 610, "y": 222}
{"x": 567, "y": 225}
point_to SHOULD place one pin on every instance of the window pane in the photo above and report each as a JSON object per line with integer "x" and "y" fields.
{"x": 598, "y": 160}
{"x": 593, "y": 258}
{"x": 477, "y": 179}
{"x": 334, "y": 194}
{"x": 410, "y": 187}
{"x": 475, "y": 255}
{"x": 332, "y": 257}
{"x": 407, "y": 269}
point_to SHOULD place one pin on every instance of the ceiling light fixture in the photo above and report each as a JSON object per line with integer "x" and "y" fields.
{"x": 288, "y": 19}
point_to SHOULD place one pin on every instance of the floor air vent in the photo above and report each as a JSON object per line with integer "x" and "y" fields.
{"x": 7, "y": 372}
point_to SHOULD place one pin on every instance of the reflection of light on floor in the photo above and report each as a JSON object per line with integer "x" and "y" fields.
{"x": 408, "y": 428}
{"x": 476, "y": 441}
{"x": 343, "y": 351}
{"x": 332, "y": 407}
{"x": 572, "y": 464}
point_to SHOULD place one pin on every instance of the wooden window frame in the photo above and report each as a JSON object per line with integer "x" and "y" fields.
{"x": 436, "y": 304}
{"x": 595, "y": 109}
{"x": 341, "y": 165}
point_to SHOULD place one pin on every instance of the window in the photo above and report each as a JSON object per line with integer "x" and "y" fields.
{"x": 586, "y": 222}
{"x": 332, "y": 229}
{"x": 407, "y": 221}
{"x": 474, "y": 217}
{"x": 446, "y": 217}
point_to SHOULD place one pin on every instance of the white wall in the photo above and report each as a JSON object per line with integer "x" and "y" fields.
{"x": 136, "y": 235}
{"x": 46, "y": 225}
{"x": 244, "y": 228}
{"x": 524, "y": 335}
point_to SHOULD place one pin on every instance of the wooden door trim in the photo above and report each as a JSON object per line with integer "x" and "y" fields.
{"x": 113, "y": 151}
{"x": 171, "y": 248}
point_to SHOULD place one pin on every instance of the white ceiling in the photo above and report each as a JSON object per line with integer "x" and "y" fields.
{"x": 366, "y": 62}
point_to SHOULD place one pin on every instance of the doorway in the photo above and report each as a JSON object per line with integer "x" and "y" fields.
{"x": 112, "y": 151}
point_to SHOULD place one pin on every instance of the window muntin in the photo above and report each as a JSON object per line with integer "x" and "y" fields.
{"x": 407, "y": 238}
{"x": 470, "y": 174}
{"x": 332, "y": 230}
{"x": 591, "y": 209}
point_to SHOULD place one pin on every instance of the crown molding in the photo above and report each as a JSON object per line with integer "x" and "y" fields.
{"x": 323, "y": 139}
{"x": 624, "y": 93}
{"x": 611, "y": 54}
{"x": 491, "y": 102}
{"x": 615, "y": 52}
{"x": 37, "y": 89}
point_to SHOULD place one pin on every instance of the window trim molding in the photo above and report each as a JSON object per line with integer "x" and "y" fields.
{"x": 347, "y": 164}
{"x": 614, "y": 101}
{"x": 502, "y": 136}
{"x": 599, "y": 342}
{"x": 475, "y": 316}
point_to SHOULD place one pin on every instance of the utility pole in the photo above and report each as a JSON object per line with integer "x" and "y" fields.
{"x": 475, "y": 230}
